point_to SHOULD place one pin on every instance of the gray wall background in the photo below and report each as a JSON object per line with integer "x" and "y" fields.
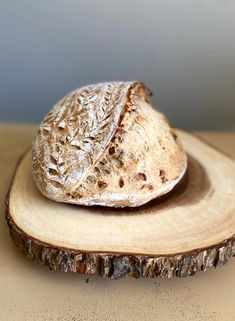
{"x": 183, "y": 50}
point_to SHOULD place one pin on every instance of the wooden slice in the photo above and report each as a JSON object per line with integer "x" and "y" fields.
{"x": 192, "y": 229}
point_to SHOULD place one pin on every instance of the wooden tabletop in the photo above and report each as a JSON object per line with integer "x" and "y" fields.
{"x": 29, "y": 291}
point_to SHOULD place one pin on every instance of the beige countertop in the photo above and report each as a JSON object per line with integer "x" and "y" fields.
{"x": 29, "y": 291}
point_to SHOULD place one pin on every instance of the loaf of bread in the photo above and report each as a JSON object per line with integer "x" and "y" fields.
{"x": 104, "y": 144}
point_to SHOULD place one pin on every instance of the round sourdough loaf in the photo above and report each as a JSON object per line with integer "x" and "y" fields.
{"x": 104, "y": 144}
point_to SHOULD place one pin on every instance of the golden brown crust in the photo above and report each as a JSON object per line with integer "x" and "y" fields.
{"x": 97, "y": 144}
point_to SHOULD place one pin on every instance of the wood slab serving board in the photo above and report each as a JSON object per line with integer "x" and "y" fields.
{"x": 190, "y": 230}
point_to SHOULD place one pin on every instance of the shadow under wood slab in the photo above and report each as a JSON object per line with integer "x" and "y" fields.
{"x": 191, "y": 230}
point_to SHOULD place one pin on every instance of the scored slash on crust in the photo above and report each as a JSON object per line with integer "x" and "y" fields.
{"x": 102, "y": 132}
